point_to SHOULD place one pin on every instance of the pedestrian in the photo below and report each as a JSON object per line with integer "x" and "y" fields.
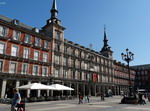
{"x": 87, "y": 98}
{"x": 148, "y": 95}
{"x": 79, "y": 98}
{"x": 141, "y": 100}
{"x": 102, "y": 96}
{"x": 16, "y": 99}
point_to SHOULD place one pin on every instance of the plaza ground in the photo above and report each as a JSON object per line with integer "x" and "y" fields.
{"x": 110, "y": 104}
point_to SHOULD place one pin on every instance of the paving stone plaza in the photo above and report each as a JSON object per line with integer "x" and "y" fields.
{"x": 110, "y": 104}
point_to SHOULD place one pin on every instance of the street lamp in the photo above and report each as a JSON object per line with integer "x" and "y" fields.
{"x": 128, "y": 57}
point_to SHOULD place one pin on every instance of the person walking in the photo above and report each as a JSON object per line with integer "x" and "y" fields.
{"x": 141, "y": 100}
{"x": 79, "y": 98}
{"x": 16, "y": 99}
{"x": 102, "y": 96}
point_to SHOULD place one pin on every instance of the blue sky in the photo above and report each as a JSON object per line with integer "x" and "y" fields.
{"x": 127, "y": 22}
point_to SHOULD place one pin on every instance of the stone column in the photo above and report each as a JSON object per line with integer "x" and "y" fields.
{"x": 70, "y": 90}
{"x": 17, "y": 83}
{"x": 4, "y": 82}
{"x": 28, "y": 91}
{"x": 47, "y": 90}
{"x": 39, "y": 92}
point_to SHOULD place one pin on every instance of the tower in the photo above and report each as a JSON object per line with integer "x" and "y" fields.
{"x": 106, "y": 50}
{"x": 55, "y": 31}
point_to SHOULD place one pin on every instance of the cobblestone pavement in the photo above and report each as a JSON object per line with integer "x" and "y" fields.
{"x": 110, "y": 104}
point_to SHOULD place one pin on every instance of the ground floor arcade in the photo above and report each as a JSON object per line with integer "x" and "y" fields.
{"x": 86, "y": 88}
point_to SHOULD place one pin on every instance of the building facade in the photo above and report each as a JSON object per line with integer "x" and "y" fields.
{"x": 30, "y": 55}
{"x": 121, "y": 78}
{"x": 142, "y": 81}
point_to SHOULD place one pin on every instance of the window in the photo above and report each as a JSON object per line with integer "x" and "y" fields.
{"x": 26, "y": 53}
{"x": 57, "y": 35}
{"x": 35, "y": 70}
{"x": 3, "y": 31}
{"x": 45, "y": 57}
{"x": 16, "y": 35}
{"x": 36, "y": 55}
{"x": 14, "y": 50}
{"x": 2, "y": 48}
{"x": 24, "y": 69}
{"x": 44, "y": 71}
{"x": 37, "y": 42}
{"x": 56, "y": 59}
{"x": 1, "y": 66}
{"x": 57, "y": 47}
{"x": 27, "y": 39}
{"x": 56, "y": 73}
{"x": 13, "y": 67}
{"x": 64, "y": 61}
{"x": 66, "y": 74}
{"x": 46, "y": 43}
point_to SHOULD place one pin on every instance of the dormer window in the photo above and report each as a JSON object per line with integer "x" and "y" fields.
{"x": 37, "y": 42}
{"x": 16, "y": 35}
{"x": 3, "y": 31}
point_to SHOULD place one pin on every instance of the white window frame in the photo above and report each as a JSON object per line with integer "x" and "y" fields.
{"x": 16, "y": 35}
{"x": 13, "y": 53}
{"x": 27, "y": 38}
{"x": 33, "y": 73}
{"x": 46, "y": 44}
{"x": 26, "y": 53}
{"x": 2, "y": 51}
{"x": 37, "y": 41}
{"x": 10, "y": 70}
{"x": 57, "y": 74}
{"x": 3, "y": 31}
{"x": 36, "y": 58}
{"x": 45, "y": 57}
{"x": 26, "y": 68}
{"x": 43, "y": 73}
{"x": 57, "y": 59}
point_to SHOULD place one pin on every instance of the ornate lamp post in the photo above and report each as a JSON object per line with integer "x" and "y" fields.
{"x": 128, "y": 57}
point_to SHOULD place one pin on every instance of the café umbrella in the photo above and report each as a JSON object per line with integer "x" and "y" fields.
{"x": 60, "y": 87}
{"x": 36, "y": 86}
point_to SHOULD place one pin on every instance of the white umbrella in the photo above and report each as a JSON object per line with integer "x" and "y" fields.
{"x": 37, "y": 86}
{"x": 60, "y": 87}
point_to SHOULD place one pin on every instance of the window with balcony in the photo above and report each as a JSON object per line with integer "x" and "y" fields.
{"x": 37, "y": 42}
{"x": 35, "y": 70}
{"x": 56, "y": 73}
{"x": 26, "y": 53}
{"x": 45, "y": 57}
{"x": 44, "y": 71}
{"x": 36, "y": 55}
{"x": 1, "y": 66}
{"x": 3, "y": 31}
{"x": 14, "y": 50}
{"x": 57, "y": 47}
{"x": 65, "y": 74}
{"x": 57, "y": 35}
{"x": 2, "y": 48}
{"x": 64, "y": 61}
{"x": 24, "y": 69}
{"x": 27, "y": 39}
{"x": 57, "y": 59}
{"x": 46, "y": 44}
{"x": 13, "y": 67}
{"x": 16, "y": 35}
